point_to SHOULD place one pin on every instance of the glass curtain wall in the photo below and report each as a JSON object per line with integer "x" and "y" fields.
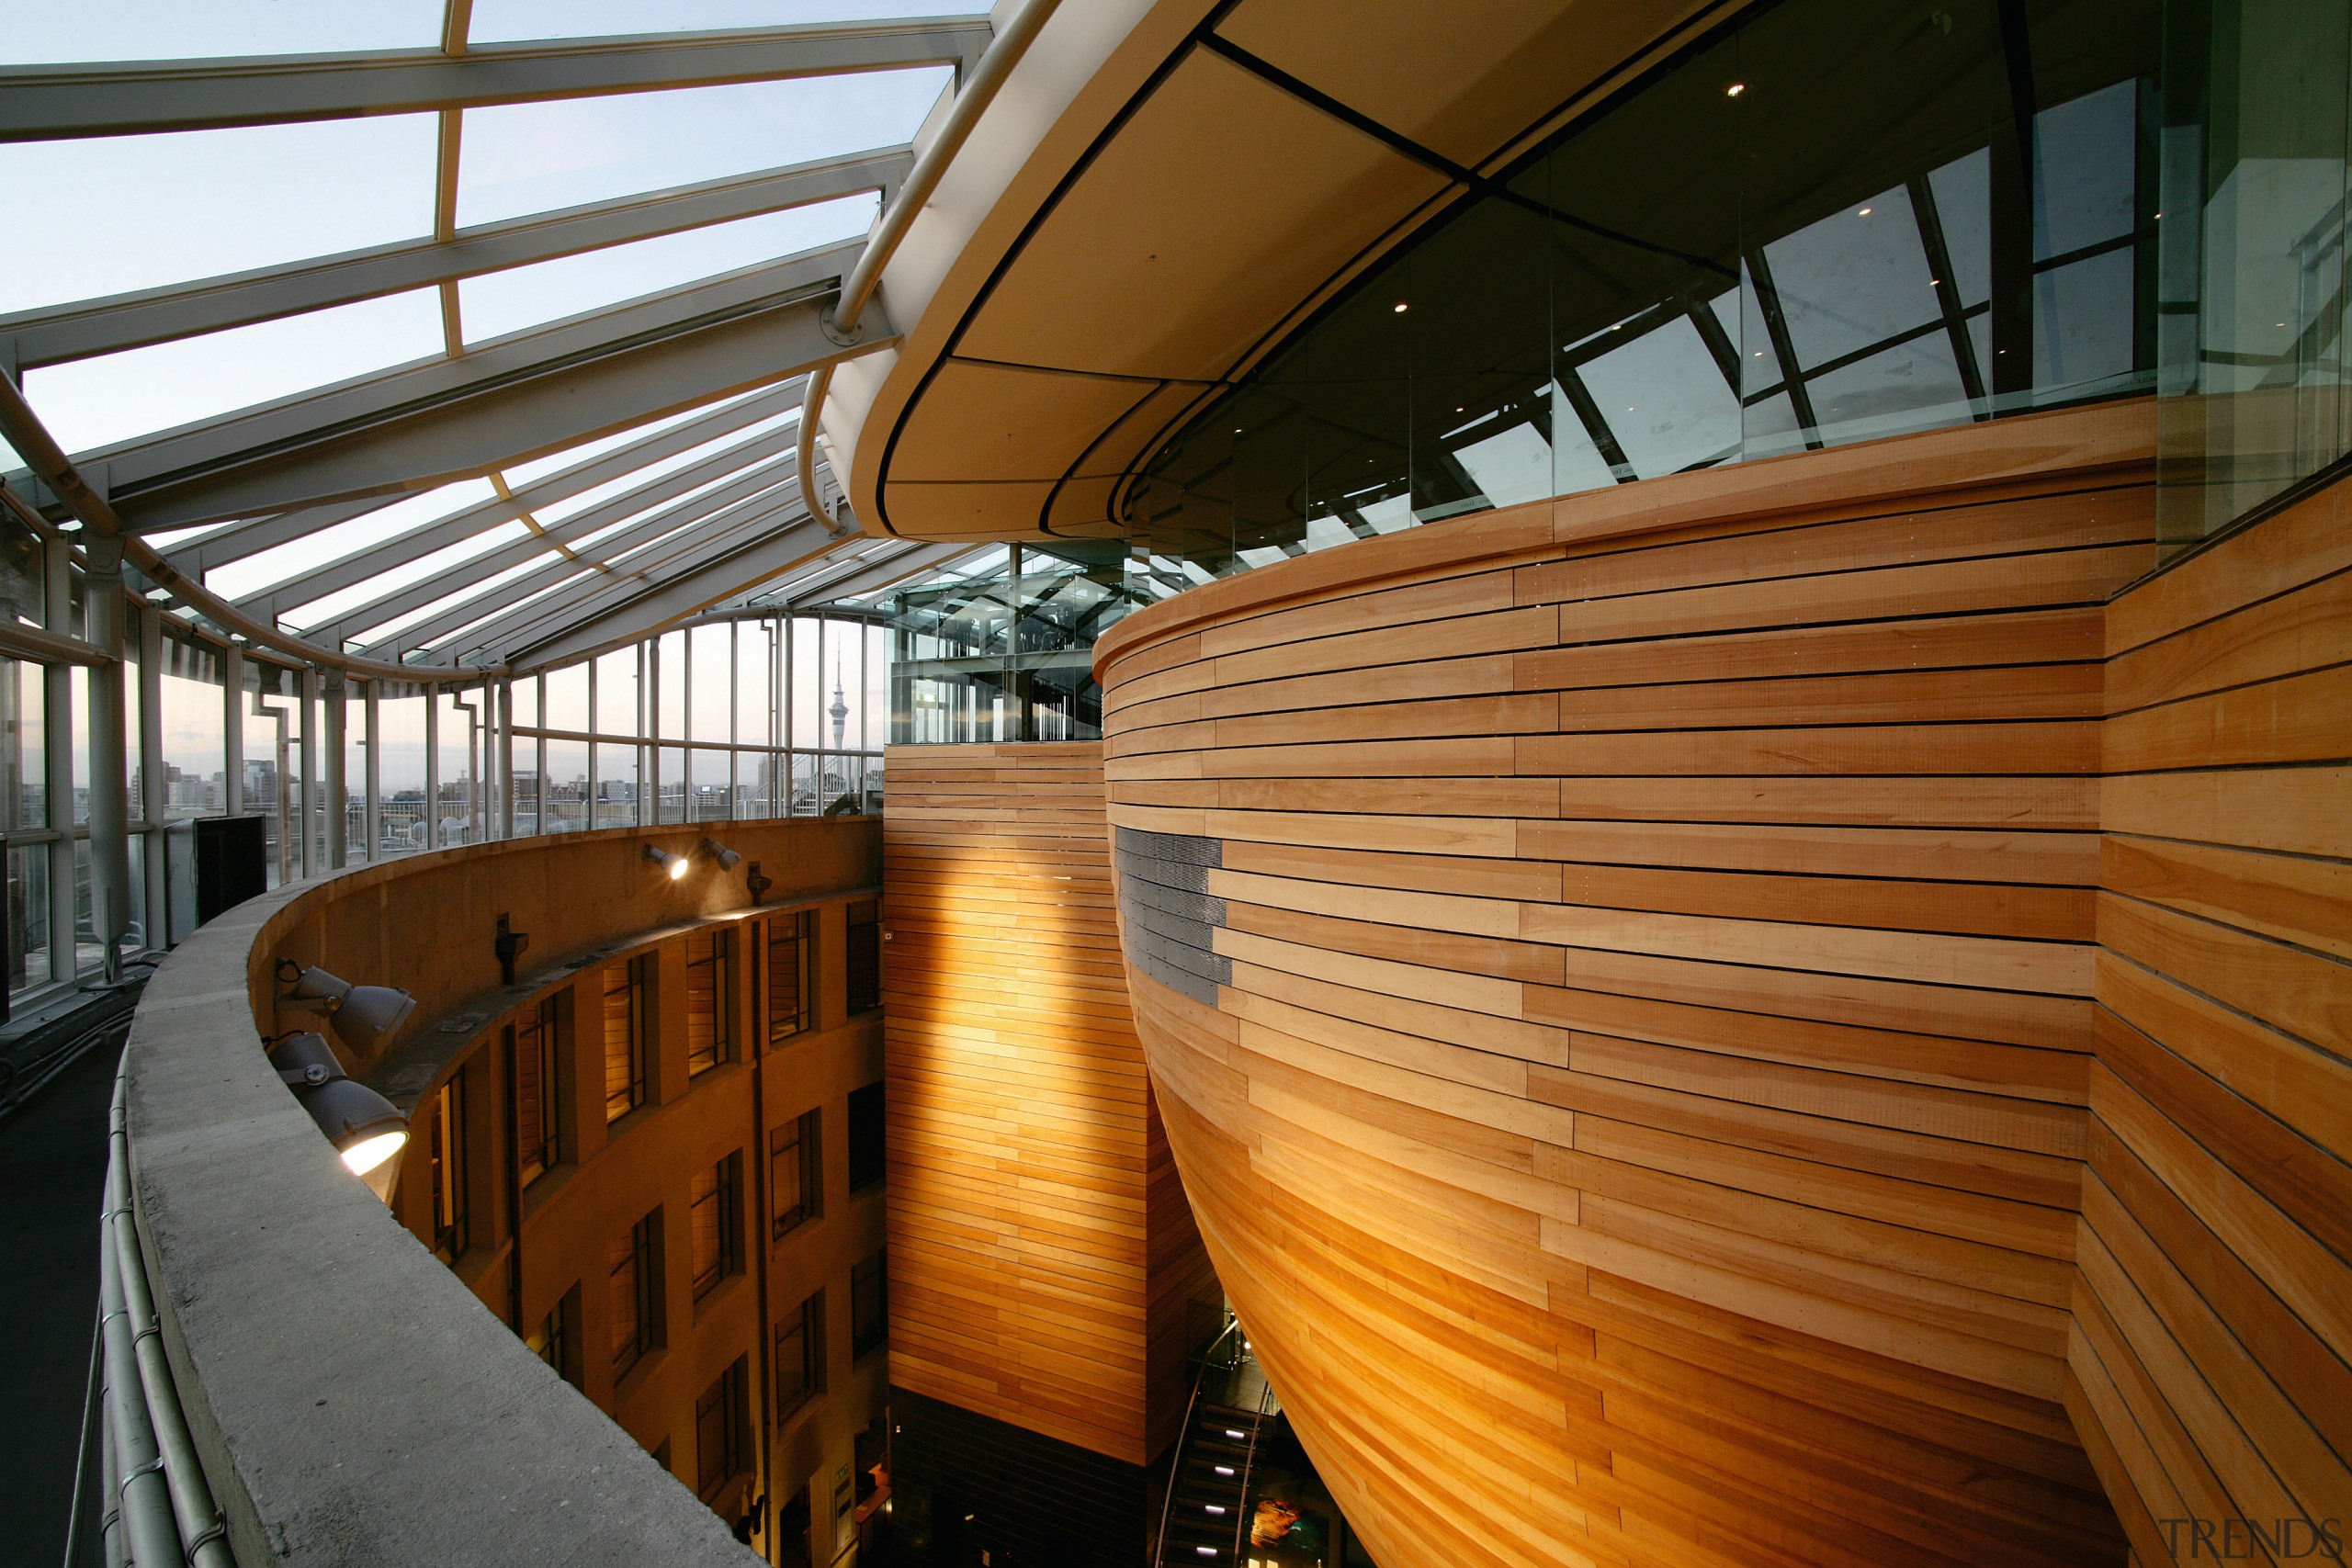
{"x": 1840, "y": 220}
{"x": 216, "y": 728}
{"x": 2252, "y": 318}
{"x": 1002, "y": 650}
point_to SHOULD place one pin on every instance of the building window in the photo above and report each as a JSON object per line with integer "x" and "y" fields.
{"x": 866, "y": 1163}
{"x": 800, "y": 1356}
{"x": 797, "y": 1171}
{"x": 445, "y": 1144}
{"x": 551, "y": 1340}
{"x": 722, "y": 1432}
{"x": 791, "y": 1006}
{"x": 625, "y": 991}
{"x": 709, "y": 993}
{"x": 715, "y": 1214}
{"x": 869, "y": 1303}
{"x": 637, "y": 1291}
{"x": 531, "y": 1044}
{"x": 864, "y": 955}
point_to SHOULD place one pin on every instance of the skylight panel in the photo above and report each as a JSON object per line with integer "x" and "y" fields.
{"x": 484, "y": 595}
{"x": 150, "y": 210}
{"x": 1666, "y": 400}
{"x": 498, "y": 610}
{"x": 523, "y": 158}
{"x": 572, "y": 506}
{"x": 92, "y": 30}
{"x": 117, "y": 397}
{"x": 514, "y": 20}
{"x": 519, "y": 475}
{"x": 397, "y": 577}
{"x": 523, "y": 297}
{"x": 283, "y": 563}
{"x": 1853, "y": 279}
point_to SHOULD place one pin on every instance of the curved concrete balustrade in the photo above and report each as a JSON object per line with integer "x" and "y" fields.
{"x": 353, "y": 1400}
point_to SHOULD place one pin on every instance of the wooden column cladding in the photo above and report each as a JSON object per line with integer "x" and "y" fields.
{"x": 1630, "y": 1045}
{"x": 2212, "y": 1313}
{"x": 1044, "y": 1268}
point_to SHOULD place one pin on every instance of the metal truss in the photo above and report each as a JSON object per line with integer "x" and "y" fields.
{"x": 46, "y": 102}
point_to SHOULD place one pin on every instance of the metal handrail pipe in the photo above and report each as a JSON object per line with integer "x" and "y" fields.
{"x": 1183, "y": 1437}
{"x": 111, "y": 1539}
{"x": 147, "y": 1531}
{"x": 972, "y": 99}
{"x": 200, "y": 1537}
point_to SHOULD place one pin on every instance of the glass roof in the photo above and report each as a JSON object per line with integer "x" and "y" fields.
{"x": 34, "y": 32}
{"x": 523, "y": 158}
{"x": 190, "y": 204}
{"x": 498, "y": 20}
{"x": 240, "y": 273}
{"x": 112, "y": 398}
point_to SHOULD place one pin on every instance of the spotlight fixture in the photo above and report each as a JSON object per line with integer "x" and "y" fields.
{"x": 673, "y": 866}
{"x": 359, "y": 1015}
{"x": 362, "y": 1125}
{"x": 727, "y": 859}
{"x": 756, "y": 884}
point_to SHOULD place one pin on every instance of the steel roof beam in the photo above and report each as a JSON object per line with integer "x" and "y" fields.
{"x": 872, "y": 577}
{"x": 49, "y": 336}
{"x": 512, "y": 398}
{"x": 46, "y": 102}
{"x": 693, "y": 588}
{"x": 646, "y": 566}
{"x": 416, "y": 596}
{"x": 239, "y": 540}
{"x": 466, "y": 629}
{"x": 740, "y": 503}
{"x": 366, "y": 565}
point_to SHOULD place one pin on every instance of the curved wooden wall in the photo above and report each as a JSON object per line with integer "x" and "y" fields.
{"x": 1617, "y": 975}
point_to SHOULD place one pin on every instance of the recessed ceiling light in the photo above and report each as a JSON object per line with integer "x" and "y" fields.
{"x": 1400, "y": 306}
{"x": 1864, "y": 213}
{"x": 1734, "y": 89}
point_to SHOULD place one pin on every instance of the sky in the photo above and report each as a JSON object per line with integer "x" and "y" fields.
{"x": 163, "y": 209}
{"x": 160, "y": 210}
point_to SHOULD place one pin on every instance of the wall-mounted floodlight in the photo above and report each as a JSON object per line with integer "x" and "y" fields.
{"x": 727, "y": 859}
{"x": 673, "y": 866}
{"x": 359, "y": 1015}
{"x": 362, "y": 1125}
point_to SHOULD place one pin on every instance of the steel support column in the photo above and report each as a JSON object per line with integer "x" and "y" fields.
{"x": 102, "y": 613}
{"x": 335, "y": 691}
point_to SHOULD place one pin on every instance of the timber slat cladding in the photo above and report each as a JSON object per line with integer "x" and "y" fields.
{"x": 1044, "y": 1268}
{"x": 2214, "y": 1304}
{"x": 1633, "y": 1050}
